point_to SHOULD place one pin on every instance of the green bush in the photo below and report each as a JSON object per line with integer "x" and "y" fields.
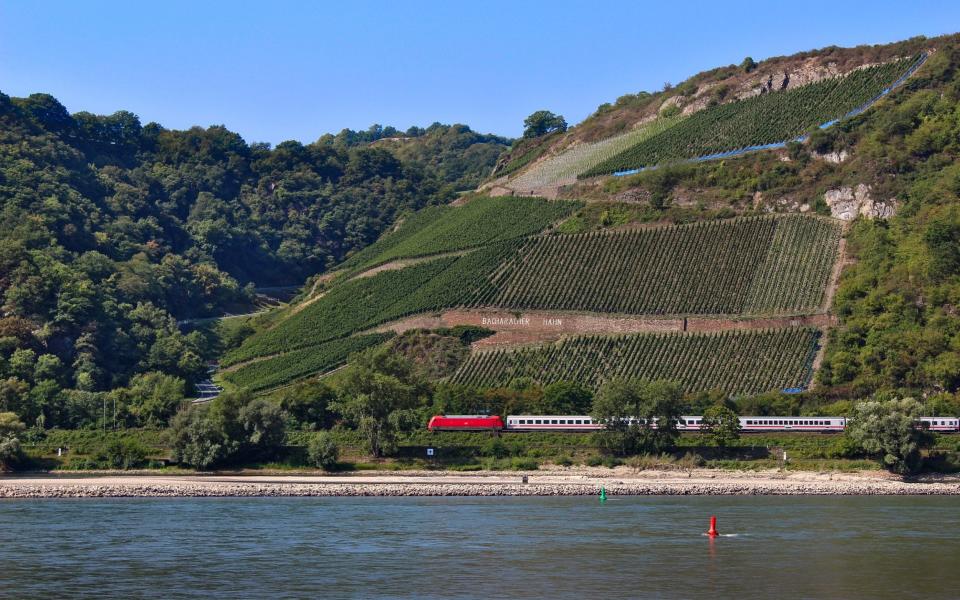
{"x": 323, "y": 452}
{"x": 123, "y": 453}
{"x": 495, "y": 448}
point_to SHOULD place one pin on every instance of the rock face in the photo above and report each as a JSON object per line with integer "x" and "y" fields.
{"x": 847, "y": 203}
{"x": 810, "y": 71}
{"x": 833, "y": 157}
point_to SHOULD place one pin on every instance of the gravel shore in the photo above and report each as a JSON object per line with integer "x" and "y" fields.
{"x": 560, "y": 482}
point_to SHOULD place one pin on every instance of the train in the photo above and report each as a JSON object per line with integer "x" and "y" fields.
{"x": 574, "y": 423}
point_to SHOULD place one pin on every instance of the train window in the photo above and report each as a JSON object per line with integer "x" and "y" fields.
{"x": 553, "y": 422}
{"x": 539, "y": 422}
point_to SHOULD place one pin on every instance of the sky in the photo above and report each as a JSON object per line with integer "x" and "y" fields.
{"x": 278, "y": 70}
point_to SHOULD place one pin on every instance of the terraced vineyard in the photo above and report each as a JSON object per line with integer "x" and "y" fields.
{"x": 280, "y": 370}
{"x": 759, "y": 120}
{"x": 363, "y": 303}
{"x": 737, "y": 362}
{"x": 579, "y": 159}
{"x": 480, "y": 222}
{"x": 345, "y": 309}
{"x": 768, "y": 265}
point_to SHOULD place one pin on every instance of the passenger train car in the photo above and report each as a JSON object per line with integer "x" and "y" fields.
{"x": 570, "y": 423}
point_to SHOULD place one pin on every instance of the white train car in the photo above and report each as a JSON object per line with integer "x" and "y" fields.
{"x": 942, "y": 424}
{"x": 756, "y": 424}
{"x": 812, "y": 424}
{"x": 551, "y": 423}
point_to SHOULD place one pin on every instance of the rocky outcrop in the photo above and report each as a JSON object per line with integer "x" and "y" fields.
{"x": 833, "y": 157}
{"x": 810, "y": 71}
{"x": 847, "y": 203}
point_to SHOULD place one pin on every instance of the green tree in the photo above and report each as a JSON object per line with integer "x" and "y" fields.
{"x": 661, "y": 406}
{"x": 322, "y": 451}
{"x": 197, "y": 440}
{"x": 616, "y": 403}
{"x": 567, "y": 398}
{"x": 379, "y": 386}
{"x": 308, "y": 405}
{"x": 264, "y": 423}
{"x": 541, "y": 123}
{"x": 888, "y": 430}
{"x": 231, "y": 427}
{"x": 154, "y": 398}
{"x": 124, "y": 453}
{"x": 748, "y": 64}
{"x": 10, "y": 429}
{"x": 639, "y": 415}
{"x": 721, "y": 424}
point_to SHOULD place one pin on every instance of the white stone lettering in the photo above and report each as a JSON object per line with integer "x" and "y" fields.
{"x": 522, "y": 321}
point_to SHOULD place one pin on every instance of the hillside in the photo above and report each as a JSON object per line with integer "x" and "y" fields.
{"x": 719, "y": 274}
{"x": 788, "y": 223}
{"x": 712, "y": 114}
{"x": 114, "y": 232}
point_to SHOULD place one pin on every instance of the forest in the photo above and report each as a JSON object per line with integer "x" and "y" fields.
{"x": 114, "y": 232}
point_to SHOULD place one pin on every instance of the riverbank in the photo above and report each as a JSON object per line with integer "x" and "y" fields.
{"x": 559, "y": 482}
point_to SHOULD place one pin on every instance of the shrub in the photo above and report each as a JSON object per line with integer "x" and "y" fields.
{"x": 123, "y": 453}
{"x": 495, "y": 448}
{"x": 594, "y": 461}
{"x": 323, "y": 452}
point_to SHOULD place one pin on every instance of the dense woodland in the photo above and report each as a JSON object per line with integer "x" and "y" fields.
{"x": 113, "y": 231}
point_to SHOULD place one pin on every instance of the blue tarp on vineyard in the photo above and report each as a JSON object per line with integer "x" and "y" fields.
{"x": 739, "y": 151}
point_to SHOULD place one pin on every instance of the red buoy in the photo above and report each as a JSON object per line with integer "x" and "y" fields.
{"x": 713, "y": 527}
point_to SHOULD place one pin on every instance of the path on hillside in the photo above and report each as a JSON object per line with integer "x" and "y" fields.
{"x": 545, "y": 326}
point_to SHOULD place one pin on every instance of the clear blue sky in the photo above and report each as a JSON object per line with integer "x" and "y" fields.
{"x": 277, "y": 70}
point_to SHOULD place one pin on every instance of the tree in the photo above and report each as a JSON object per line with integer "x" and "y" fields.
{"x": 567, "y": 398}
{"x": 543, "y": 122}
{"x": 721, "y": 424}
{"x": 748, "y": 64}
{"x": 379, "y": 387}
{"x": 264, "y": 424}
{"x": 154, "y": 397}
{"x": 308, "y": 405}
{"x": 197, "y": 441}
{"x": 323, "y": 452}
{"x": 888, "y": 430}
{"x": 10, "y": 429}
{"x": 639, "y": 415}
{"x": 231, "y": 427}
{"x": 615, "y": 404}
{"x": 661, "y": 406}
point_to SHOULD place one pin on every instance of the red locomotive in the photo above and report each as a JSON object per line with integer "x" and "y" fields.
{"x": 465, "y": 423}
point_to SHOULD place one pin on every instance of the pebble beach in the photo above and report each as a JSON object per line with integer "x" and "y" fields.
{"x": 560, "y": 482}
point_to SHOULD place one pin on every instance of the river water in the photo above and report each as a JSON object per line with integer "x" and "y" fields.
{"x": 566, "y": 547}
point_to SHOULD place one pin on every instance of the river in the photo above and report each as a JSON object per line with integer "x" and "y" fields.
{"x": 521, "y": 547}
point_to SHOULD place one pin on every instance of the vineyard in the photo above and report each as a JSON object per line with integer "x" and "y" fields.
{"x": 576, "y": 160}
{"x": 279, "y": 370}
{"x": 736, "y": 362}
{"x": 770, "y": 264}
{"x": 759, "y": 120}
{"x": 345, "y": 309}
{"x": 480, "y": 222}
{"x": 363, "y": 303}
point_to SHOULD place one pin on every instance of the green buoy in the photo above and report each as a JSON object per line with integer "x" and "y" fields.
{"x": 603, "y": 494}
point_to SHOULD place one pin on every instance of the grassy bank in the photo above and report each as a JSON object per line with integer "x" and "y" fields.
{"x": 147, "y": 448}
